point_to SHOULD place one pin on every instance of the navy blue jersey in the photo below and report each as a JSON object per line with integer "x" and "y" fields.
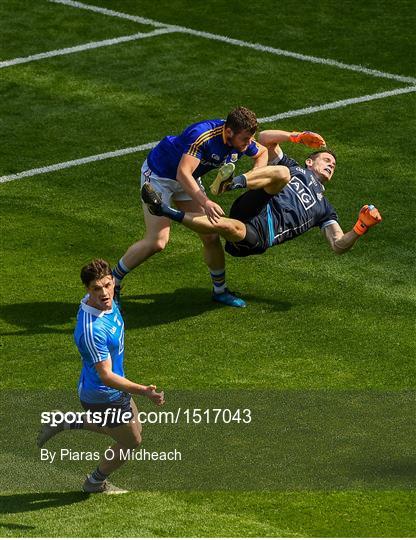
{"x": 203, "y": 140}
{"x": 300, "y": 206}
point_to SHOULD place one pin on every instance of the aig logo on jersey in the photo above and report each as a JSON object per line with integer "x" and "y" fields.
{"x": 302, "y": 192}
{"x": 215, "y": 157}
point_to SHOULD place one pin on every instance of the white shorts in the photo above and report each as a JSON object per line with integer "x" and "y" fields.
{"x": 167, "y": 187}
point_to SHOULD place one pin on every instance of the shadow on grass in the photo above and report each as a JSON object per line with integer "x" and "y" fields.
{"x": 395, "y": 469}
{"x": 30, "y": 502}
{"x": 139, "y": 311}
{"x": 16, "y": 526}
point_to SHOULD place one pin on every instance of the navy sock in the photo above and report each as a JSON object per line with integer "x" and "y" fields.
{"x": 98, "y": 476}
{"x": 239, "y": 182}
{"x": 75, "y": 424}
{"x": 172, "y": 213}
{"x": 119, "y": 271}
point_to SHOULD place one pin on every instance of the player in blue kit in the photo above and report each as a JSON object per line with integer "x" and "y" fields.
{"x": 283, "y": 201}
{"x": 103, "y": 389}
{"x": 174, "y": 169}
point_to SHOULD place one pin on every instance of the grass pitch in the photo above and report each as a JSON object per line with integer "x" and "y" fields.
{"x": 314, "y": 322}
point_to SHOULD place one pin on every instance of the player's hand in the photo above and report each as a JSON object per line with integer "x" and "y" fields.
{"x": 368, "y": 217}
{"x": 213, "y": 211}
{"x": 158, "y": 398}
{"x": 308, "y": 138}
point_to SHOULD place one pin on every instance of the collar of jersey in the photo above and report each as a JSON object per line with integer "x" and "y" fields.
{"x": 94, "y": 311}
{"x": 317, "y": 179}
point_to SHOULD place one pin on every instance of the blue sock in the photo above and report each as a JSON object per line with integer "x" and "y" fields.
{"x": 119, "y": 271}
{"x": 218, "y": 280}
{"x": 172, "y": 213}
{"x": 239, "y": 182}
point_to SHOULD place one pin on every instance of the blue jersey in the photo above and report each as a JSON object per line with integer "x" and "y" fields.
{"x": 203, "y": 140}
{"x": 300, "y": 206}
{"x": 99, "y": 335}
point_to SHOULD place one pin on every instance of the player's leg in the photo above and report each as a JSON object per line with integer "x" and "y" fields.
{"x": 127, "y": 437}
{"x": 230, "y": 229}
{"x": 272, "y": 179}
{"x": 213, "y": 251}
{"x": 157, "y": 231}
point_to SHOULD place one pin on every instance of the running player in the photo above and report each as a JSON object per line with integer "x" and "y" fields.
{"x": 103, "y": 388}
{"x": 283, "y": 201}
{"x": 174, "y": 169}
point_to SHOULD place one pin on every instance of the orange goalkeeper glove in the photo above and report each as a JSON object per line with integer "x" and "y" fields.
{"x": 308, "y": 138}
{"x": 368, "y": 217}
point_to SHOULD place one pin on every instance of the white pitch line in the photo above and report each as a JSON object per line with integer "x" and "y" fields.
{"x": 338, "y": 104}
{"x": 149, "y": 146}
{"x": 76, "y": 162}
{"x": 84, "y": 47}
{"x": 240, "y": 43}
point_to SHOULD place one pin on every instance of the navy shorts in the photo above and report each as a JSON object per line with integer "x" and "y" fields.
{"x": 115, "y": 409}
{"x": 246, "y": 208}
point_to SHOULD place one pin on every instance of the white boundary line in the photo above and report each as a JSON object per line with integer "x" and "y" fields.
{"x": 148, "y": 146}
{"x": 84, "y": 47}
{"x": 240, "y": 43}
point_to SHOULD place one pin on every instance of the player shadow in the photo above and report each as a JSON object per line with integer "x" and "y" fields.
{"x": 31, "y": 502}
{"x": 139, "y": 311}
{"x": 395, "y": 472}
{"x": 39, "y": 317}
{"x": 146, "y": 310}
{"x": 16, "y": 526}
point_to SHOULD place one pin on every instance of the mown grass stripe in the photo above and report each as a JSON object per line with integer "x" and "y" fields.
{"x": 241, "y": 43}
{"x": 148, "y": 146}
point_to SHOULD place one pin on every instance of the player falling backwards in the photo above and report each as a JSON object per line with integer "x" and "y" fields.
{"x": 283, "y": 201}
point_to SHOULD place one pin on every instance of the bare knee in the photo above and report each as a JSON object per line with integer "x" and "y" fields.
{"x": 156, "y": 245}
{"x": 210, "y": 240}
{"x": 279, "y": 178}
{"x": 233, "y": 229}
{"x": 134, "y": 441}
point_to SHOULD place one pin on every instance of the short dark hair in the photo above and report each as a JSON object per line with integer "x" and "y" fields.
{"x": 96, "y": 269}
{"x": 321, "y": 151}
{"x": 242, "y": 119}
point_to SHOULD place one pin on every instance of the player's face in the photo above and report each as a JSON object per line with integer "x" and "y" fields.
{"x": 323, "y": 166}
{"x": 101, "y": 293}
{"x": 240, "y": 141}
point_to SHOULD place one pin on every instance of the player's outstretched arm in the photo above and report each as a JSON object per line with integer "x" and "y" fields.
{"x": 111, "y": 379}
{"x": 273, "y": 137}
{"x": 341, "y": 242}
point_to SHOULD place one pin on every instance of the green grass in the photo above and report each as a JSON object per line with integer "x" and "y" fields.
{"x": 315, "y": 322}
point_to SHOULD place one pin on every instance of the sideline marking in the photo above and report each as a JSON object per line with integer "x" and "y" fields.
{"x": 240, "y": 43}
{"x": 148, "y": 146}
{"x": 84, "y": 47}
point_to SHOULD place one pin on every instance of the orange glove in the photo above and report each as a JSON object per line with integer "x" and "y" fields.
{"x": 368, "y": 217}
{"x": 308, "y": 138}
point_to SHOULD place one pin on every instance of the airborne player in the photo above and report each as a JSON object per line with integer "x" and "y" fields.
{"x": 283, "y": 201}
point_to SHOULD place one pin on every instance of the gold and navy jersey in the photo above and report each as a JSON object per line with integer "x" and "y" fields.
{"x": 300, "y": 206}
{"x": 204, "y": 141}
